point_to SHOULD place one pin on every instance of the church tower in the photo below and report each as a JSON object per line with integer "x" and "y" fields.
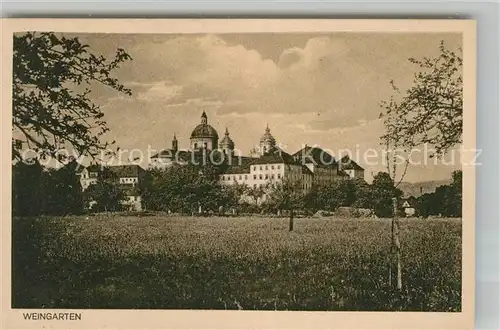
{"x": 227, "y": 144}
{"x": 175, "y": 144}
{"x": 267, "y": 142}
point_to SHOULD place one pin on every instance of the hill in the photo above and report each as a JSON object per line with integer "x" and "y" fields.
{"x": 418, "y": 188}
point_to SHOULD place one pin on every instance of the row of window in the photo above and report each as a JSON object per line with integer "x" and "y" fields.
{"x": 255, "y": 176}
{"x": 128, "y": 179}
{"x": 228, "y": 177}
{"x": 265, "y": 167}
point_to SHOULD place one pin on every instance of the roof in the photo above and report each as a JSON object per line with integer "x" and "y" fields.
{"x": 237, "y": 169}
{"x": 171, "y": 153}
{"x": 96, "y": 168}
{"x": 126, "y": 170}
{"x": 205, "y": 156}
{"x": 239, "y": 160}
{"x": 306, "y": 170}
{"x": 204, "y": 131}
{"x": 342, "y": 173}
{"x": 318, "y": 156}
{"x": 412, "y": 202}
{"x": 75, "y": 166}
{"x": 275, "y": 156}
{"x": 348, "y": 164}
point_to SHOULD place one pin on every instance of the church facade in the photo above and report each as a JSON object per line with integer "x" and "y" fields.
{"x": 308, "y": 166}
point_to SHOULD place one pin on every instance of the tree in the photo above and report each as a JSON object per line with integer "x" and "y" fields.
{"x": 104, "y": 196}
{"x": 53, "y": 78}
{"x": 428, "y": 112}
{"x": 62, "y": 192}
{"x": 454, "y": 200}
{"x": 255, "y": 193}
{"x": 27, "y": 189}
{"x": 37, "y": 190}
{"x": 365, "y": 195}
{"x": 330, "y": 197}
{"x": 383, "y": 192}
{"x": 446, "y": 200}
{"x": 229, "y": 196}
{"x": 187, "y": 189}
{"x": 286, "y": 195}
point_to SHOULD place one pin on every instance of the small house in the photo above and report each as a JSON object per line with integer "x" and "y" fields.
{"x": 409, "y": 206}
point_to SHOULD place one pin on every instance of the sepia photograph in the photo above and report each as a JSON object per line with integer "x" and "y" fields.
{"x": 306, "y": 171}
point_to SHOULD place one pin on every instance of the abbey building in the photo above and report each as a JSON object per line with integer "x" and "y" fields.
{"x": 309, "y": 166}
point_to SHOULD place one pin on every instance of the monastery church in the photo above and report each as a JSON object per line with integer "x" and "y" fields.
{"x": 309, "y": 165}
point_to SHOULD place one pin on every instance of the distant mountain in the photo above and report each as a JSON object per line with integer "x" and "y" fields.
{"x": 418, "y": 188}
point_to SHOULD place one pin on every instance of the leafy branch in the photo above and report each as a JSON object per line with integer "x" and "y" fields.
{"x": 52, "y": 105}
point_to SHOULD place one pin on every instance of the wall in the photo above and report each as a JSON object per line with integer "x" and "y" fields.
{"x": 211, "y": 144}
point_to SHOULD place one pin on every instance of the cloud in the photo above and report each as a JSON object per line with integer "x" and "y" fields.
{"x": 341, "y": 78}
{"x": 161, "y": 91}
{"x": 198, "y": 103}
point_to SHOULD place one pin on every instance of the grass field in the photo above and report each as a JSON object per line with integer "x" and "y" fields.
{"x": 233, "y": 263}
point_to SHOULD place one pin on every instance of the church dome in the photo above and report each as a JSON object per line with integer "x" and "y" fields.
{"x": 204, "y": 130}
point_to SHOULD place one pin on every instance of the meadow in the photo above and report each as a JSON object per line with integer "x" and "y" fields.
{"x": 162, "y": 262}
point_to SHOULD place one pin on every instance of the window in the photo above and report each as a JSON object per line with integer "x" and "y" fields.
{"x": 272, "y": 176}
{"x": 279, "y": 176}
{"x": 239, "y": 177}
{"x": 255, "y": 176}
{"x": 260, "y": 176}
{"x": 272, "y": 167}
{"x": 254, "y": 185}
{"x": 279, "y": 166}
{"x": 267, "y": 176}
{"x": 260, "y": 168}
{"x": 195, "y": 145}
{"x": 246, "y": 177}
{"x": 255, "y": 168}
{"x": 266, "y": 167}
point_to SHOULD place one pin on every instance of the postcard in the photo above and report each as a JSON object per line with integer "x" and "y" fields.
{"x": 238, "y": 173}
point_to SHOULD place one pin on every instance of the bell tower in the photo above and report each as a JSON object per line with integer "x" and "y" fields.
{"x": 227, "y": 144}
{"x": 175, "y": 144}
{"x": 267, "y": 142}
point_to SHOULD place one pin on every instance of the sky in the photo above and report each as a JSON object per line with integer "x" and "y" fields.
{"x": 314, "y": 89}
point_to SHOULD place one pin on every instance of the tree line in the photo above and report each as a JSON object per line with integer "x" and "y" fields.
{"x": 39, "y": 190}
{"x": 445, "y": 201}
{"x": 192, "y": 189}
